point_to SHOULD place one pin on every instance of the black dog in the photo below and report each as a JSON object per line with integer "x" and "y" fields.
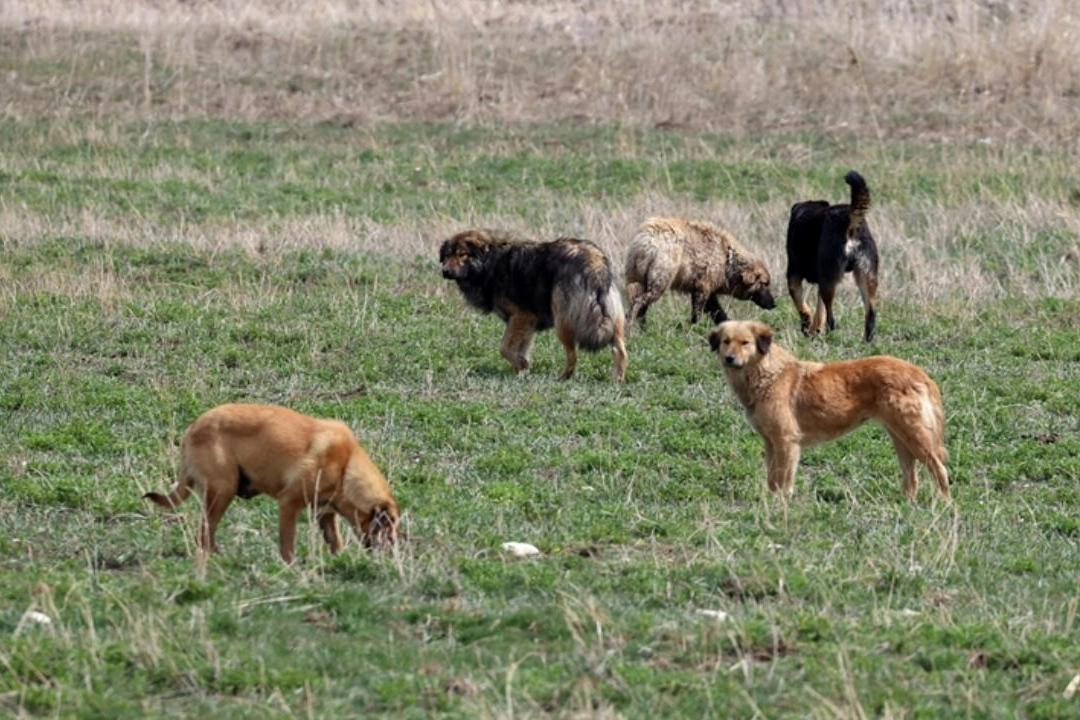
{"x": 566, "y": 284}
{"x": 825, "y": 241}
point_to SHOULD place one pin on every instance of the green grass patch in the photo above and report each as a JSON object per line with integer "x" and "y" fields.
{"x": 647, "y": 500}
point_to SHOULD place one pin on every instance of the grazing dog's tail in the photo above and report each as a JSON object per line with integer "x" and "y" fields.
{"x": 860, "y": 200}
{"x": 178, "y": 495}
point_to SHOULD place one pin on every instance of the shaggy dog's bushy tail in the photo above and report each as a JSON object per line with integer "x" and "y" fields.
{"x": 860, "y": 200}
{"x": 591, "y": 303}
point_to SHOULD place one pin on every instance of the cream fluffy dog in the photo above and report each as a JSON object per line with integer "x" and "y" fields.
{"x": 793, "y": 403}
{"x": 300, "y": 461}
{"x": 695, "y": 258}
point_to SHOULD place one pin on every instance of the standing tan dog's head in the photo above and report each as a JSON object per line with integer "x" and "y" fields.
{"x": 740, "y": 343}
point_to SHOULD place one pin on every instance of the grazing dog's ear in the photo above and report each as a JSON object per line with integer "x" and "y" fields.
{"x": 763, "y": 334}
{"x": 714, "y": 339}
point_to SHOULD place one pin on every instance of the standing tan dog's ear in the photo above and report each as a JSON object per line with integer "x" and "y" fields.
{"x": 764, "y": 336}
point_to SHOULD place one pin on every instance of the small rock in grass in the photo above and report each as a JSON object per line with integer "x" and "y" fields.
{"x": 718, "y": 615}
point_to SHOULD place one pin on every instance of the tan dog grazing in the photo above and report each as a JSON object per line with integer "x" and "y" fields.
{"x": 300, "y": 461}
{"x": 793, "y": 403}
{"x": 696, "y": 258}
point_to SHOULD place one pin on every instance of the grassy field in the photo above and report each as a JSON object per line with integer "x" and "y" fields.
{"x": 158, "y": 259}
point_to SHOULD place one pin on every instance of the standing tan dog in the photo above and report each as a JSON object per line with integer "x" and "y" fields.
{"x": 793, "y": 403}
{"x": 300, "y": 461}
{"x": 696, "y": 258}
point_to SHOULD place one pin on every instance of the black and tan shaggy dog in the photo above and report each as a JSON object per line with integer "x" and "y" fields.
{"x": 825, "y": 241}
{"x": 566, "y": 284}
{"x": 793, "y": 403}
{"x": 696, "y": 258}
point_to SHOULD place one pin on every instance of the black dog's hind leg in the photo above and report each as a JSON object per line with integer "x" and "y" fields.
{"x": 867, "y": 283}
{"x": 823, "y": 317}
{"x": 798, "y": 296}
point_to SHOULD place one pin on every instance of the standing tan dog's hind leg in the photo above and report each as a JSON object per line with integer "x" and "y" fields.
{"x": 936, "y": 465}
{"x": 923, "y": 444}
{"x": 907, "y": 467}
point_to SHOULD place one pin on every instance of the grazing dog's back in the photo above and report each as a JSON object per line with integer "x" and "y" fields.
{"x": 245, "y": 450}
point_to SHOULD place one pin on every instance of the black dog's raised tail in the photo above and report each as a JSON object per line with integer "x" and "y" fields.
{"x": 860, "y": 200}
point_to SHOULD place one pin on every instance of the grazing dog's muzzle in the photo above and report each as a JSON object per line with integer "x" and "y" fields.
{"x": 764, "y": 299}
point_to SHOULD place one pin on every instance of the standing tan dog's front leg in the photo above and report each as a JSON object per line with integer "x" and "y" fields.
{"x": 785, "y": 459}
{"x": 770, "y": 461}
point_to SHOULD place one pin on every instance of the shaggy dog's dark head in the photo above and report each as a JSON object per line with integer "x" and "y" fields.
{"x": 463, "y": 254}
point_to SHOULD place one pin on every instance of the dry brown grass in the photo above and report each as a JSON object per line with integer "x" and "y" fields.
{"x": 995, "y": 71}
{"x": 1003, "y": 68}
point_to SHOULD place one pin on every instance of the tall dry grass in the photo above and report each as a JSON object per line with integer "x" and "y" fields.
{"x": 1007, "y": 68}
{"x": 992, "y": 70}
